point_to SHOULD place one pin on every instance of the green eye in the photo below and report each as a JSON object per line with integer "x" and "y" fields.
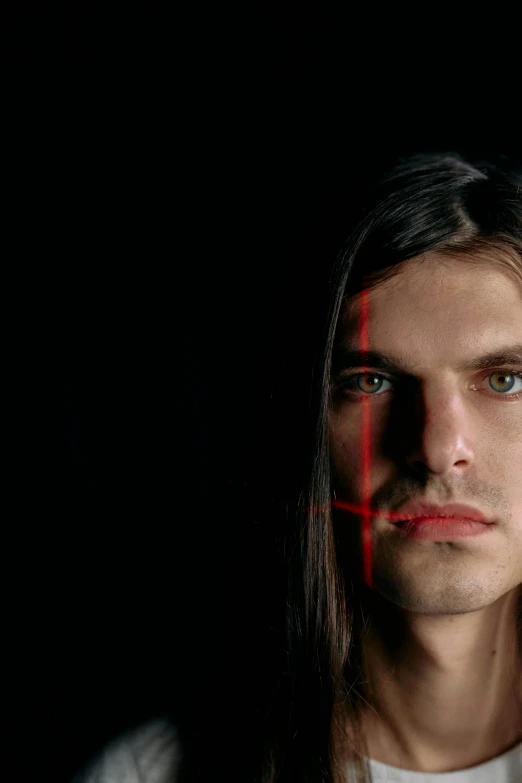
{"x": 367, "y": 383}
{"x": 505, "y": 381}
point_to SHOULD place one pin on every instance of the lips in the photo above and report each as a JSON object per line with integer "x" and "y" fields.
{"x": 431, "y": 511}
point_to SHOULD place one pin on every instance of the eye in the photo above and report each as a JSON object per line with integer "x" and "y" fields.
{"x": 367, "y": 383}
{"x": 505, "y": 381}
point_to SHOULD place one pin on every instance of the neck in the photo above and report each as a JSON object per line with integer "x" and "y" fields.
{"x": 444, "y": 692}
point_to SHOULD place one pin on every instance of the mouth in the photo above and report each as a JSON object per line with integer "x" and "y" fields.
{"x": 441, "y": 523}
{"x": 460, "y": 511}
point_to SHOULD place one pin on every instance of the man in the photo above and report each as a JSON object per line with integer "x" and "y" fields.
{"x": 403, "y": 541}
{"x": 441, "y": 655}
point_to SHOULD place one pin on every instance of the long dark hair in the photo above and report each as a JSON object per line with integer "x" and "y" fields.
{"x": 309, "y": 729}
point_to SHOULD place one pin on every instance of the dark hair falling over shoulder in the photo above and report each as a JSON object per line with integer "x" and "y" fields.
{"x": 297, "y": 718}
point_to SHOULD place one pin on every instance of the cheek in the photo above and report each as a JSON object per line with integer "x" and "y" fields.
{"x": 348, "y": 427}
{"x": 345, "y": 460}
{"x": 500, "y": 447}
{"x": 346, "y": 447}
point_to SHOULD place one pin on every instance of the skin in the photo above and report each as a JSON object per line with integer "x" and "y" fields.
{"x": 444, "y": 681}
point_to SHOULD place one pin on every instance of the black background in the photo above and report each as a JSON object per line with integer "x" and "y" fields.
{"x": 177, "y": 176}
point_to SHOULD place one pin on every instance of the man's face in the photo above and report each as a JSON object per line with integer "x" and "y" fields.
{"x": 438, "y": 433}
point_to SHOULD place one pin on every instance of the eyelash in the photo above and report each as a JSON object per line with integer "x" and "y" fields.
{"x": 361, "y": 395}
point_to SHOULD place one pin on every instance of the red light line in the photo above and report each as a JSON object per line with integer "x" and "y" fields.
{"x": 363, "y": 509}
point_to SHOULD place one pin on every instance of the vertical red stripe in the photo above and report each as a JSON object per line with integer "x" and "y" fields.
{"x": 365, "y": 453}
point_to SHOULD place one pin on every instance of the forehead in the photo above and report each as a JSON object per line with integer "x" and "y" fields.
{"x": 438, "y": 307}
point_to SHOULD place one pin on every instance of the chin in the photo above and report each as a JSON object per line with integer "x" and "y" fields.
{"x": 436, "y": 598}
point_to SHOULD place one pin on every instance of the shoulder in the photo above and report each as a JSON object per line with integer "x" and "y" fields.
{"x": 148, "y": 753}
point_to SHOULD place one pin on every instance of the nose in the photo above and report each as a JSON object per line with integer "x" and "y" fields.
{"x": 441, "y": 432}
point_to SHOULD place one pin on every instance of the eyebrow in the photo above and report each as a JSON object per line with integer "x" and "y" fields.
{"x": 346, "y": 358}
